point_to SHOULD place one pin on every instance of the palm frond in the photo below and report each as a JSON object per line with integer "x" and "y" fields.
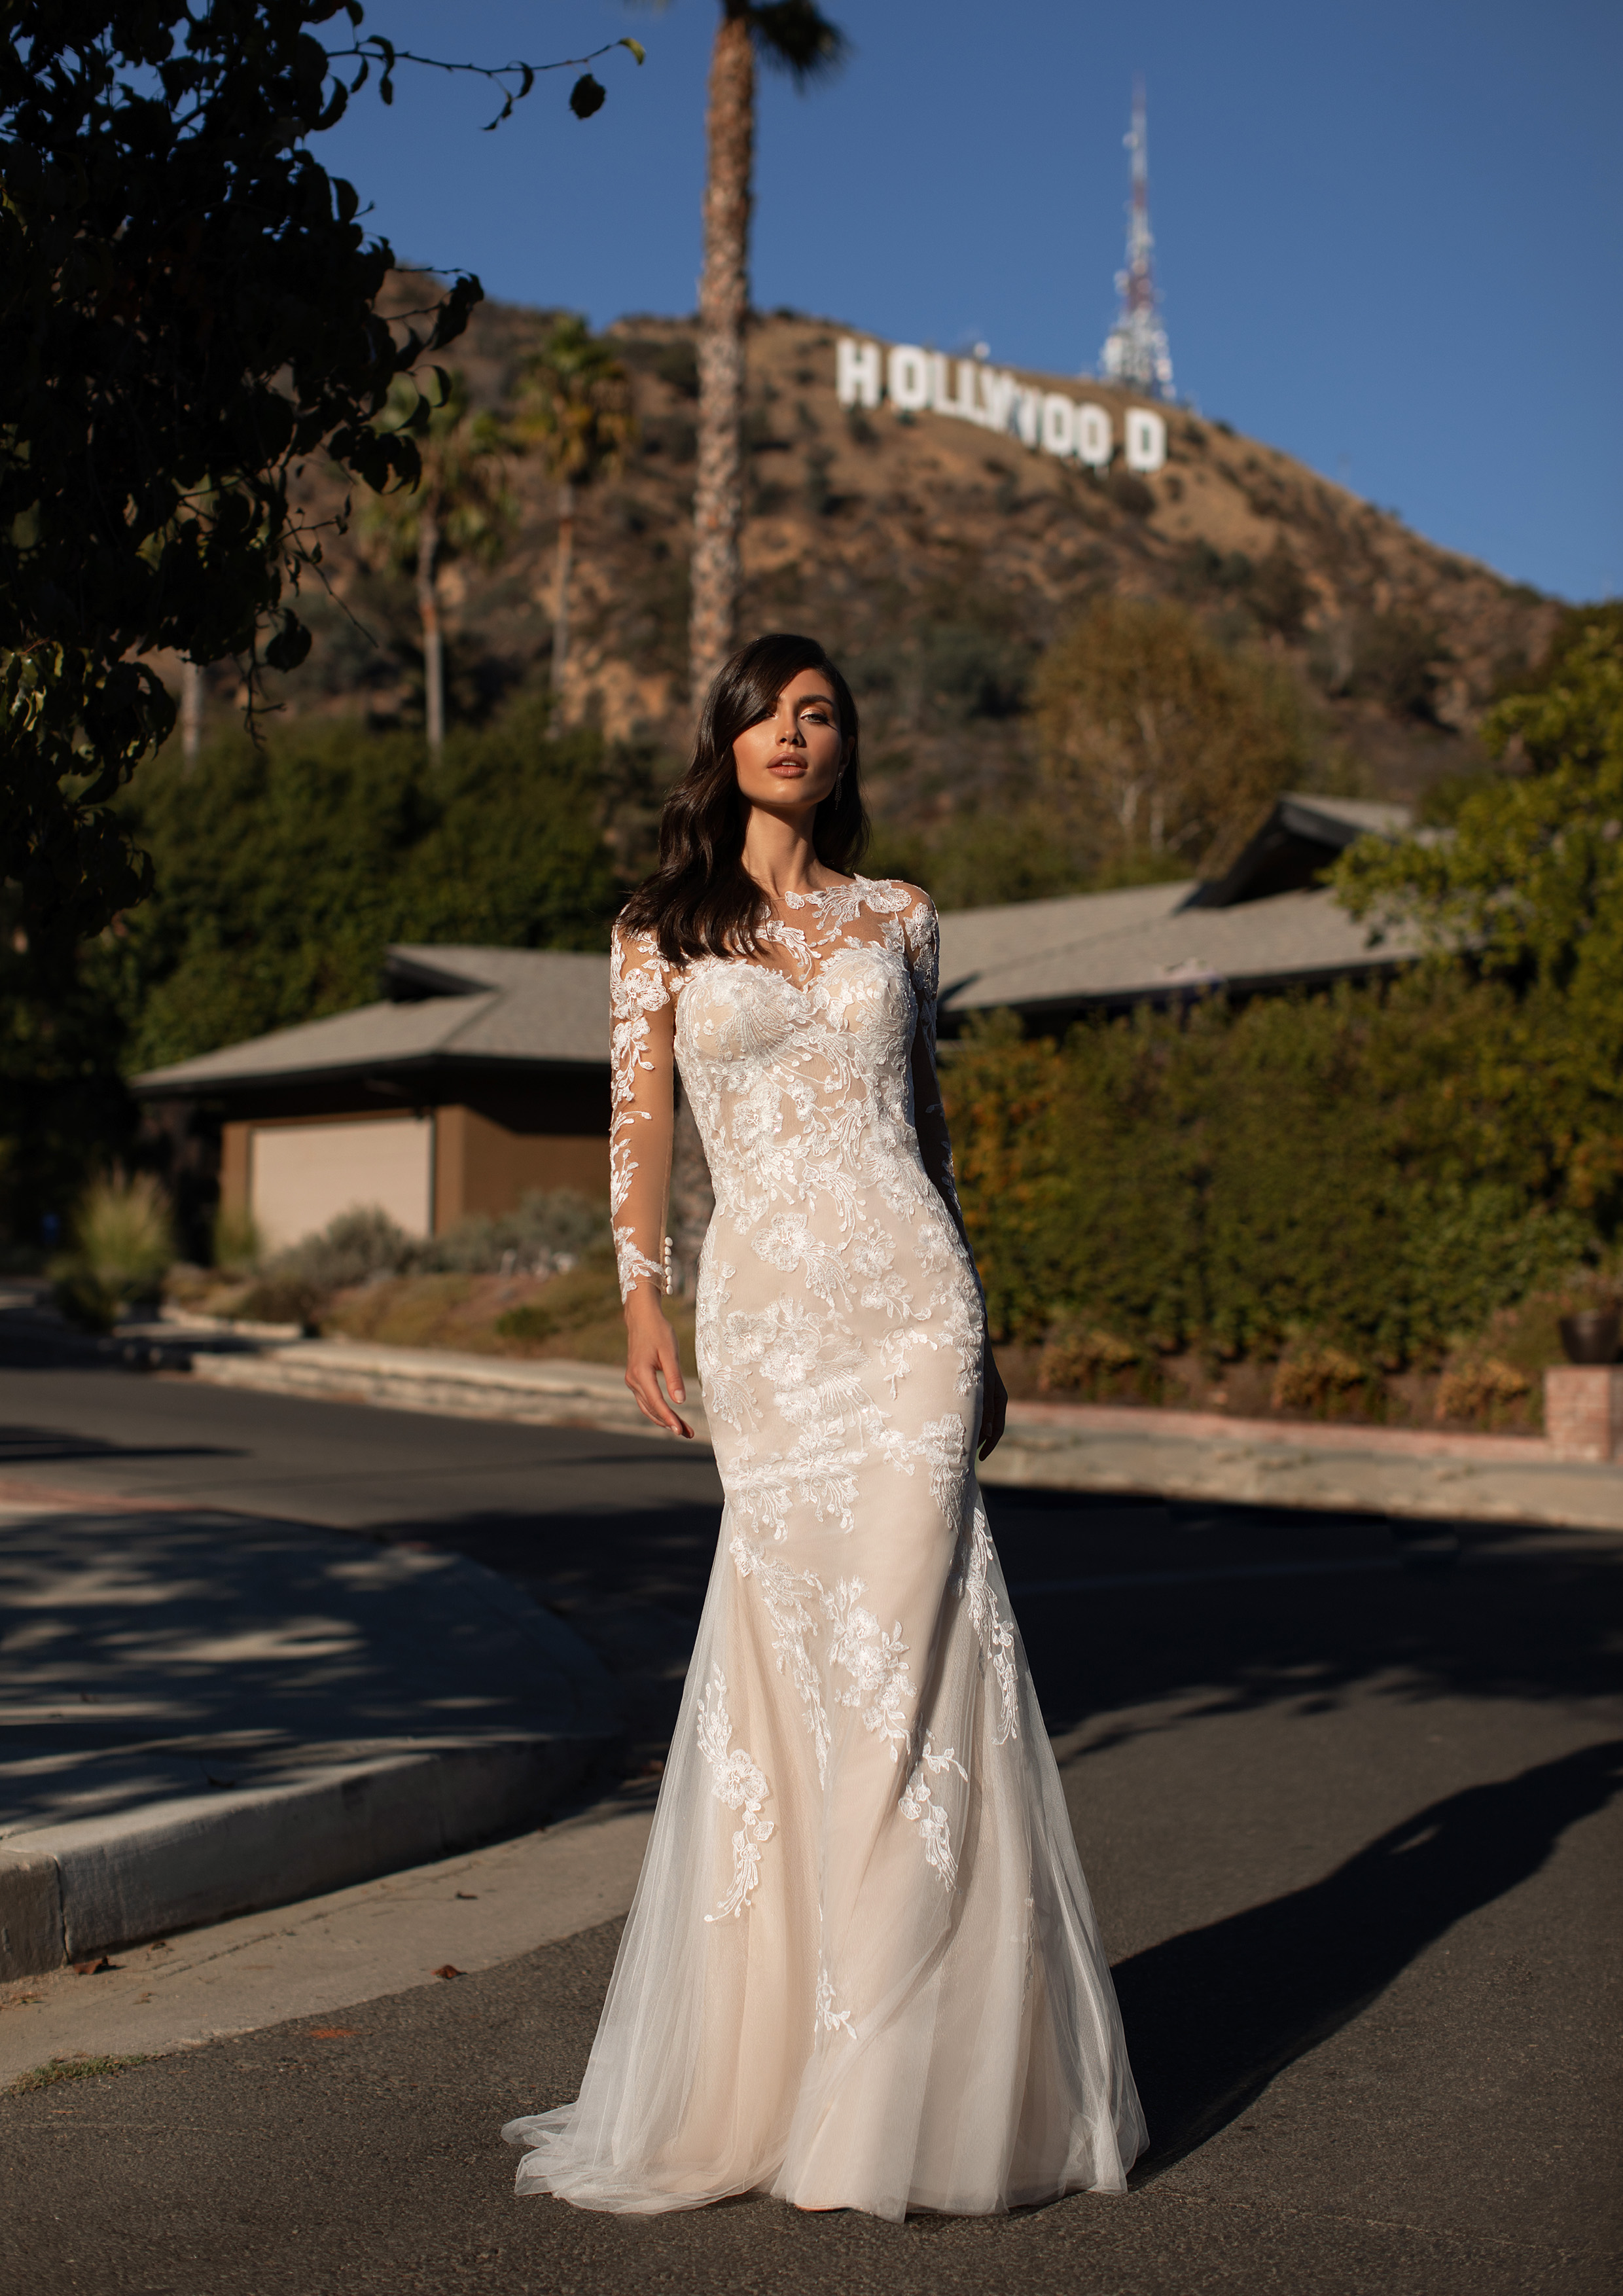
{"x": 795, "y": 37}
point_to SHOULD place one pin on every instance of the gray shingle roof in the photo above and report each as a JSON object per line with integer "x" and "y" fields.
{"x": 516, "y": 1005}
{"x": 1122, "y": 949}
{"x": 1047, "y": 959}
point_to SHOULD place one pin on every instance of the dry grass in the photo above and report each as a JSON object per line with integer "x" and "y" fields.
{"x": 575, "y": 1317}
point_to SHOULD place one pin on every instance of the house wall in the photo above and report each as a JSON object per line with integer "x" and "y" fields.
{"x": 504, "y": 1138}
{"x": 482, "y": 1166}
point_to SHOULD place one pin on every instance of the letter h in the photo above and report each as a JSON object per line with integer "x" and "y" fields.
{"x": 857, "y": 372}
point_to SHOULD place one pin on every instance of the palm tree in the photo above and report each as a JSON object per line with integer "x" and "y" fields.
{"x": 578, "y": 402}
{"x": 793, "y": 36}
{"x": 460, "y": 507}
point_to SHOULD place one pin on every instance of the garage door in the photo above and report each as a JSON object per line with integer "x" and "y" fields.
{"x": 301, "y": 1176}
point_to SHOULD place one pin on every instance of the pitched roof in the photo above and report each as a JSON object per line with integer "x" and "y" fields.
{"x": 447, "y": 1007}
{"x": 458, "y": 1005}
{"x": 1114, "y": 949}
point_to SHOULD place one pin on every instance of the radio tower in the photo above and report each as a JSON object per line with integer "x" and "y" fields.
{"x": 1135, "y": 350}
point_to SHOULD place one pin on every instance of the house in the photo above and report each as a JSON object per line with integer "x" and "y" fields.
{"x": 483, "y": 1073}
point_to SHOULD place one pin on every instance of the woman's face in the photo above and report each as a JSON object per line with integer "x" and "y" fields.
{"x": 793, "y": 757}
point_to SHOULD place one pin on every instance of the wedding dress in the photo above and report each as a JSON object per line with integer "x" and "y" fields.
{"x": 861, "y": 1969}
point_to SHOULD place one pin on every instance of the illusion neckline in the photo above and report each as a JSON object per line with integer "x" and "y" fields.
{"x": 818, "y": 892}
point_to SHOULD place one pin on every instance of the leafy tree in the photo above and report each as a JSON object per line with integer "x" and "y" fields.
{"x": 1527, "y": 886}
{"x": 1168, "y": 746}
{"x": 1530, "y": 879}
{"x": 285, "y": 868}
{"x": 459, "y": 507}
{"x": 577, "y": 401}
{"x": 189, "y": 305}
{"x": 794, "y": 36}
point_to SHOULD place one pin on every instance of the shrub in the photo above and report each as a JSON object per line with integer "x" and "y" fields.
{"x": 1082, "y": 1357}
{"x": 582, "y": 1295}
{"x": 122, "y": 1245}
{"x": 284, "y": 1298}
{"x": 238, "y": 1245}
{"x": 1316, "y": 1378}
{"x": 1479, "y": 1388}
{"x": 1375, "y": 1171}
{"x": 549, "y": 1232}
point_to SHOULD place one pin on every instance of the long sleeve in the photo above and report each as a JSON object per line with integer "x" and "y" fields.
{"x": 923, "y": 940}
{"x": 642, "y": 1068}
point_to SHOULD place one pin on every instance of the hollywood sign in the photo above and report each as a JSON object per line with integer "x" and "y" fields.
{"x": 917, "y": 382}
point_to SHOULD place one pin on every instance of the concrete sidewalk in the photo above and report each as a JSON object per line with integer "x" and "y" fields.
{"x": 205, "y": 1712}
{"x": 1405, "y": 1473}
{"x": 335, "y": 1951}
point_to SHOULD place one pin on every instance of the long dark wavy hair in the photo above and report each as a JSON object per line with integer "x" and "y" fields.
{"x": 701, "y": 901}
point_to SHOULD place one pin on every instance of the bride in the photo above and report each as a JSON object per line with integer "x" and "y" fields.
{"x": 862, "y": 1969}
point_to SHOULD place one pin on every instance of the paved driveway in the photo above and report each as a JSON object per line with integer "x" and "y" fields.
{"x": 1351, "y": 1827}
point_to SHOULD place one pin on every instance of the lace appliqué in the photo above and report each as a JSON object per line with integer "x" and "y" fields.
{"x": 827, "y": 2018}
{"x": 997, "y": 1637}
{"x": 637, "y": 986}
{"x": 876, "y": 1662}
{"x": 943, "y": 1447}
{"x": 930, "y": 1817}
{"x": 740, "y": 1784}
{"x": 783, "y": 1594}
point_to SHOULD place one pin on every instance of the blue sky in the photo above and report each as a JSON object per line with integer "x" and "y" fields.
{"x": 1389, "y": 237}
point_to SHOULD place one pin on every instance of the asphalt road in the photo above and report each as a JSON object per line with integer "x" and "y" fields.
{"x": 1350, "y": 1826}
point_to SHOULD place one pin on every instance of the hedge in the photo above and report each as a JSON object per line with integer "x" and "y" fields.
{"x": 1379, "y": 1168}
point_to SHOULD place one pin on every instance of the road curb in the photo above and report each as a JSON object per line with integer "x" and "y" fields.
{"x": 536, "y": 1394}
{"x": 74, "y": 1889}
{"x": 69, "y": 1893}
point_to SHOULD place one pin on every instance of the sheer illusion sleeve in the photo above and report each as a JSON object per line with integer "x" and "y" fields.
{"x": 642, "y": 1066}
{"x": 923, "y": 939}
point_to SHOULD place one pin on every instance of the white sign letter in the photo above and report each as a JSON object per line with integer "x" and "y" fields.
{"x": 857, "y": 368}
{"x": 909, "y": 378}
{"x": 1146, "y": 439}
{"x": 1059, "y": 425}
{"x": 997, "y": 396}
{"x": 1093, "y": 439}
{"x": 1027, "y": 415}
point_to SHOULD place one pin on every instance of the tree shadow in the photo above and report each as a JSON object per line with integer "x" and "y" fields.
{"x": 1213, "y": 2015}
{"x": 32, "y": 1447}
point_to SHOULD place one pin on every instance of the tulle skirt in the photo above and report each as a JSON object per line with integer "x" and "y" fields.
{"x": 861, "y": 1969}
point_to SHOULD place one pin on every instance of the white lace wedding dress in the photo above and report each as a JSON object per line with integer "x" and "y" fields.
{"x": 862, "y": 1970}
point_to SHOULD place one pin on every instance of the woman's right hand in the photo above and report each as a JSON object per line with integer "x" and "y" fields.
{"x": 650, "y": 1356}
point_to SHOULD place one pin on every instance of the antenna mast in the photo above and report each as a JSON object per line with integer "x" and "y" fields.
{"x": 1135, "y": 350}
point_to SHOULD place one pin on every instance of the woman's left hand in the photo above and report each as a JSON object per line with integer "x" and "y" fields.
{"x": 994, "y": 1408}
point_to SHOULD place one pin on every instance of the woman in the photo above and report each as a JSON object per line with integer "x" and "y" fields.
{"x": 861, "y": 1970}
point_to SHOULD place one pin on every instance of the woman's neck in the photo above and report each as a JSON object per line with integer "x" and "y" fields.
{"x": 780, "y": 856}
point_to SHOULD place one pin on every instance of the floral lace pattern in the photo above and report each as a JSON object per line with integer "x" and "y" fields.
{"x": 835, "y": 1267}
{"x": 826, "y": 1988}
{"x": 738, "y": 1784}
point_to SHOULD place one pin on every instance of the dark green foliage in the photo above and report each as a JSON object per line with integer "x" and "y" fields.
{"x": 63, "y": 1022}
{"x": 1381, "y": 1171}
{"x": 189, "y": 308}
{"x": 285, "y": 871}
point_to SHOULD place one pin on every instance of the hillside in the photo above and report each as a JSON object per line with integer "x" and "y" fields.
{"x": 936, "y": 561}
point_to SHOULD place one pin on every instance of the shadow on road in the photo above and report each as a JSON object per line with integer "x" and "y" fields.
{"x": 1214, "y": 2015}
{"x": 32, "y": 1447}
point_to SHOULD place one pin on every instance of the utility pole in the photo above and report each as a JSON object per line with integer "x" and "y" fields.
{"x": 1135, "y": 352}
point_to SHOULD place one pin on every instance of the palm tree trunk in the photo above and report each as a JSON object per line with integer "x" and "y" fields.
{"x": 560, "y": 604}
{"x": 723, "y": 302}
{"x": 427, "y": 609}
